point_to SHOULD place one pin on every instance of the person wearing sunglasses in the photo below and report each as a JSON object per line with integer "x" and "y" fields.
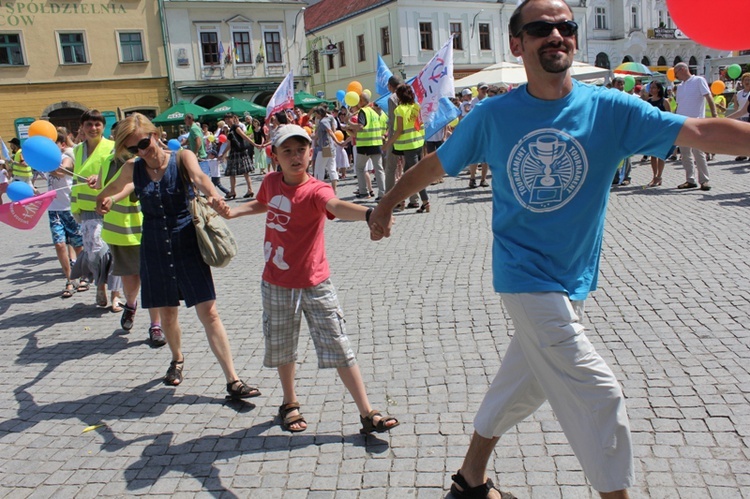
{"x": 171, "y": 266}
{"x": 552, "y": 167}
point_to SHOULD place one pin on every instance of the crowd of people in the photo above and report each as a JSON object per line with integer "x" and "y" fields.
{"x": 121, "y": 221}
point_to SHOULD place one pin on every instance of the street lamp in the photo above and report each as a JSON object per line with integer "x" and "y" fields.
{"x": 474, "y": 22}
{"x": 294, "y": 26}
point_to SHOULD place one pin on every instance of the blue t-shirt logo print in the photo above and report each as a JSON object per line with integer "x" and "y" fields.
{"x": 547, "y": 167}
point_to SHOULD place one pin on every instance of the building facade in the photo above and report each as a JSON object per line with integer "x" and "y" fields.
{"x": 218, "y": 49}
{"x": 58, "y": 59}
{"x": 641, "y": 31}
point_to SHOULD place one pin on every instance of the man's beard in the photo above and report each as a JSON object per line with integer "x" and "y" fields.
{"x": 554, "y": 63}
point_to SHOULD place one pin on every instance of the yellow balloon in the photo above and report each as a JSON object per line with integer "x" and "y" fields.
{"x": 454, "y": 123}
{"x": 351, "y": 98}
{"x": 474, "y": 91}
{"x": 366, "y": 92}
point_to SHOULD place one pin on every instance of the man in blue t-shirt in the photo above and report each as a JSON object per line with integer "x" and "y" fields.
{"x": 553, "y": 146}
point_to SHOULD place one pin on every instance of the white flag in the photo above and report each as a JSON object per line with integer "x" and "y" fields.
{"x": 433, "y": 83}
{"x": 283, "y": 97}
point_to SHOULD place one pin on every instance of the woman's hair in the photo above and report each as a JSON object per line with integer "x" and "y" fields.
{"x": 405, "y": 94}
{"x": 744, "y": 76}
{"x": 93, "y": 115}
{"x": 135, "y": 123}
{"x": 660, "y": 87}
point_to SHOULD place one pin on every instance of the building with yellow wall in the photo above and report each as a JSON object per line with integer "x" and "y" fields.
{"x": 59, "y": 58}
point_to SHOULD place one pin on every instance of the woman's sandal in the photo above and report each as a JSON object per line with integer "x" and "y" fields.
{"x": 83, "y": 285}
{"x": 242, "y": 391}
{"x": 287, "y": 421}
{"x": 425, "y": 208}
{"x": 174, "y": 374}
{"x": 248, "y": 194}
{"x": 478, "y": 492}
{"x": 69, "y": 290}
{"x": 369, "y": 425}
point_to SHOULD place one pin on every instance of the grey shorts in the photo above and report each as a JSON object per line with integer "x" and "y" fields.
{"x": 282, "y": 316}
{"x": 126, "y": 260}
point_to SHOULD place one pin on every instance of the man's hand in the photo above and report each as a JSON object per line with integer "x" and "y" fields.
{"x": 380, "y": 223}
{"x": 104, "y": 205}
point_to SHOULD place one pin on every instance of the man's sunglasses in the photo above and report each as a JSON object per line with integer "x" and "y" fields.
{"x": 142, "y": 145}
{"x": 542, "y": 29}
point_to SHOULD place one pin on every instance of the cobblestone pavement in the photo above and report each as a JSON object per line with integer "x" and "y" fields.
{"x": 670, "y": 317}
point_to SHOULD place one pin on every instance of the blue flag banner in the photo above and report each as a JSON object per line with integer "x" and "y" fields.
{"x": 381, "y": 77}
{"x": 6, "y": 152}
{"x": 445, "y": 112}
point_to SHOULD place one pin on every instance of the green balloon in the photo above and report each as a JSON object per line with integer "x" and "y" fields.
{"x": 734, "y": 71}
{"x": 629, "y": 83}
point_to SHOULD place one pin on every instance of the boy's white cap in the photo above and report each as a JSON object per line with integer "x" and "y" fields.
{"x": 288, "y": 131}
{"x": 466, "y": 91}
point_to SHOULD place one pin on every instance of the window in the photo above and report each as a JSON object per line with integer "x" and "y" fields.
{"x": 385, "y": 41}
{"x": 316, "y": 61}
{"x": 662, "y": 19}
{"x": 361, "y": 54}
{"x": 635, "y": 22}
{"x": 131, "y": 47}
{"x": 645, "y": 61}
{"x": 243, "y": 50}
{"x": 331, "y": 65}
{"x": 210, "y": 47}
{"x": 425, "y": 36}
{"x": 272, "y": 40}
{"x": 601, "y": 18}
{"x": 10, "y": 50}
{"x": 342, "y": 55}
{"x": 662, "y": 61}
{"x": 484, "y": 37}
{"x": 458, "y": 43}
{"x": 602, "y": 60}
{"x": 72, "y": 48}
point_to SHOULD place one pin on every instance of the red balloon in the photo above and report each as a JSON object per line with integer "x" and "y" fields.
{"x": 709, "y": 25}
{"x": 222, "y": 138}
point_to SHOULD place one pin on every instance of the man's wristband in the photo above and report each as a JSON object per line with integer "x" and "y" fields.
{"x": 367, "y": 215}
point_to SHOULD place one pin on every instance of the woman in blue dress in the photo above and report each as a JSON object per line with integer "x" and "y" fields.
{"x": 171, "y": 265}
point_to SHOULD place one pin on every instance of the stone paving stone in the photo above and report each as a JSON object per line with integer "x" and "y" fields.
{"x": 670, "y": 317}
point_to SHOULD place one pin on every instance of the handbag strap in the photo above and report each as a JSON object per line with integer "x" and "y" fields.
{"x": 186, "y": 182}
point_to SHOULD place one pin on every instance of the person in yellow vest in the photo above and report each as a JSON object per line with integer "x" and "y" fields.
{"x": 369, "y": 146}
{"x": 407, "y": 139}
{"x": 121, "y": 230}
{"x": 20, "y": 171}
{"x": 89, "y": 156}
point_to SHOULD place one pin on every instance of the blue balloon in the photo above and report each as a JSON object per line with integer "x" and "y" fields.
{"x": 18, "y": 191}
{"x": 340, "y": 94}
{"x": 42, "y": 154}
{"x": 173, "y": 145}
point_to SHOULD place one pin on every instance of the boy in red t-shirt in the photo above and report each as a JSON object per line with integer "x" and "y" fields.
{"x": 296, "y": 277}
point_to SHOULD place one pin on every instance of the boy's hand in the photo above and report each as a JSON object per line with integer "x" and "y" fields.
{"x": 380, "y": 223}
{"x": 220, "y": 206}
{"x": 104, "y": 205}
{"x": 92, "y": 180}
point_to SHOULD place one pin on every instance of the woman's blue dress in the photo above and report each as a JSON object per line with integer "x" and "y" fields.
{"x": 171, "y": 265}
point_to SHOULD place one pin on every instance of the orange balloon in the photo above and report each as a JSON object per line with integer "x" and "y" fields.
{"x": 307, "y": 129}
{"x": 354, "y": 86}
{"x": 339, "y": 135}
{"x": 670, "y": 74}
{"x": 43, "y": 128}
{"x": 718, "y": 87}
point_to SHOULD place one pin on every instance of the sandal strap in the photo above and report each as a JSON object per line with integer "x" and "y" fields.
{"x": 285, "y": 409}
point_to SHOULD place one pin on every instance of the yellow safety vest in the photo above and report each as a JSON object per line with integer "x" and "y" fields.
{"x": 83, "y": 197}
{"x": 410, "y": 137}
{"x": 122, "y": 225}
{"x": 372, "y": 133}
{"x": 21, "y": 171}
{"x": 384, "y": 121}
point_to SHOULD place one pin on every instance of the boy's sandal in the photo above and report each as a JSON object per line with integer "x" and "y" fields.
{"x": 69, "y": 290}
{"x": 83, "y": 285}
{"x": 478, "y": 492}
{"x": 287, "y": 421}
{"x": 369, "y": 425}
{"x": 237, "y": 389}
{"x": 174, "y": 374}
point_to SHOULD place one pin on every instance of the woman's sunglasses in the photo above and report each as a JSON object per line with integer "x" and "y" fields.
{"x": 142, "y": 145}
{"x": 541, "y": 29}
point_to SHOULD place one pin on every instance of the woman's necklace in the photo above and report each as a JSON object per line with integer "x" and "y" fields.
{"x": 163, "y": 160}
